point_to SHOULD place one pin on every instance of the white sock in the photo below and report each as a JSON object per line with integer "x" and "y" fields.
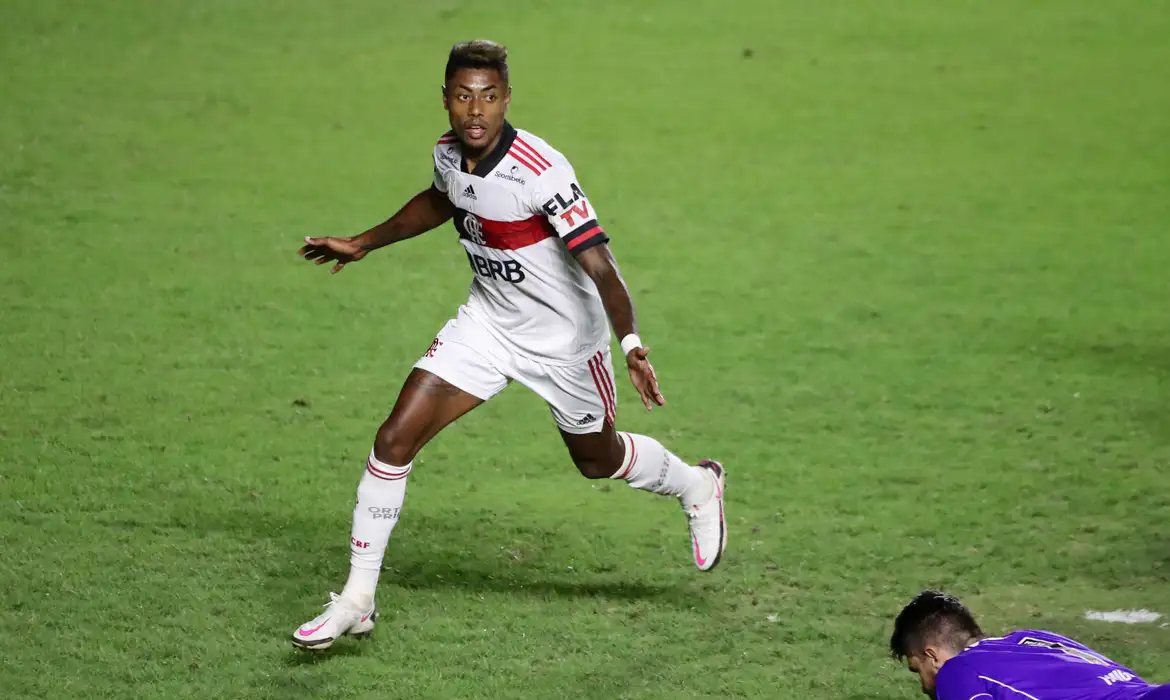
{"x": 651, "y": 467}
{"x": 380, "y": 494}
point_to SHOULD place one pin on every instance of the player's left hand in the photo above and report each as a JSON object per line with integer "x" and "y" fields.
{"x": 644, "y": 379}
{"x": 343, "y": 251}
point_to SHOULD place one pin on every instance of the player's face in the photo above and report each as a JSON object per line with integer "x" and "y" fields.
{"x": 476, "y": 100}
{"x": 927, "y": 671}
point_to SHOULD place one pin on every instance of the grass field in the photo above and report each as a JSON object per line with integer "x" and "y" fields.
{"x": 904, "y": 267}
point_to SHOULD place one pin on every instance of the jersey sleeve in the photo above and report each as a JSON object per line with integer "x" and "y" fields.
{"x": 440, "y": 180}
{"x": 559, "y": 198}
{"x": 444, "y": 159}
{"x": 957, "y": 681}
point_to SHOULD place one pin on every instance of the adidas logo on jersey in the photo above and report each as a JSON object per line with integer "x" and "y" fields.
{"x": 469, "y": 192}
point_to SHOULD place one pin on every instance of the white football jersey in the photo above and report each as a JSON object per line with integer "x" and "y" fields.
{"x": 521, "y": 215}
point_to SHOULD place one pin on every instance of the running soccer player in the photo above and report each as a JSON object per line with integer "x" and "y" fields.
{"x": 938, "y": 637}
{"x": 545, "y": 289}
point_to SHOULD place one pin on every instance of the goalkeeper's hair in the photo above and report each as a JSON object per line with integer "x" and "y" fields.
{"x": 932, "y": 618}
{"x": 480, "y": 53}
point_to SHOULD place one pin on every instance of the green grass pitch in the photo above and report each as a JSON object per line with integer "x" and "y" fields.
{"x": 904, "y": 267}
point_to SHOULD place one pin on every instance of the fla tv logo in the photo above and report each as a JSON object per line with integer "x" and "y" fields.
{"x": 573, "y": 209}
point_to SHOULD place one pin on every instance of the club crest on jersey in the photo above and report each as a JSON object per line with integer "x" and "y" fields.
{"x": 473, "y": 227}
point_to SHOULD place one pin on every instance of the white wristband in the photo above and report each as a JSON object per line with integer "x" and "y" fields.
{"x": 630, "y": 342}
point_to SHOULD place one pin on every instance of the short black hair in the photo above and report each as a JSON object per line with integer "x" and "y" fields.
{"x": 480, "y": 53}
{"x": 933, "y": 617}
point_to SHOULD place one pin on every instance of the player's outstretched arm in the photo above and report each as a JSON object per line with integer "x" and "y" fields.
{"x": 427, "y": 210}
{"x": 599, "y": 264}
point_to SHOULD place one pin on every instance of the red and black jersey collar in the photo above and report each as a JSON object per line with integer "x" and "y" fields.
{"x": 488, "y": 164}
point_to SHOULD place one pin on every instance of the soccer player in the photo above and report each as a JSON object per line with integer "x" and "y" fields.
{"x": 938, "y": 637}
{"x": 544, "y": 290}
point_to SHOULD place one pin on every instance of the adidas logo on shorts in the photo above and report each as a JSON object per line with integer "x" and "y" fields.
{"x": 469, "y": 192}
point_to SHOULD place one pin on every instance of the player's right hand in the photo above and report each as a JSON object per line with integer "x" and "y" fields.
{"x": 330, "y": 249}
{"x": 643, "y": 377}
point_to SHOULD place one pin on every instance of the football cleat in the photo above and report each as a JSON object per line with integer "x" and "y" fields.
{"x": 708, "y": 528}
{"x": 341, "y": 616}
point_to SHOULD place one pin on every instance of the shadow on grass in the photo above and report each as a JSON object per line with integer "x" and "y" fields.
{"x": 533, "y": 582}
{"x": 346, "y": 648}
{"x": 306, "y": 557}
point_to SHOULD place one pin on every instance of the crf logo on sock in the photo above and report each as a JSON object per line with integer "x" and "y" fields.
{"x": 358, "y": 543}
{"x": 384, "y": 513}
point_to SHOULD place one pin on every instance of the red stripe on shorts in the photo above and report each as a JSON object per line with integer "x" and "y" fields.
{"x": 597, "y": 372}
{"x": 609, "y": 387}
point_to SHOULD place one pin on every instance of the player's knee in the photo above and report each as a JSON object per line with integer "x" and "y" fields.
{"x": 393, "y": 446}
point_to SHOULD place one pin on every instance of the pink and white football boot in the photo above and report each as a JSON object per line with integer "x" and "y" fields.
{"x": 708, "y": 526}
{"x": 342, "y": 616}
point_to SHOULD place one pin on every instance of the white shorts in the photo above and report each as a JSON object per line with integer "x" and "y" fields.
{"x": 580, "y": 397}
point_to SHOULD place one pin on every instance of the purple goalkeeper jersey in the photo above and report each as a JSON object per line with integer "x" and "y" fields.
{"x": 1037, "y": 665}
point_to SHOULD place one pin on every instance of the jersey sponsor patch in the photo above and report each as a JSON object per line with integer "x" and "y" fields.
{"x": 513, "y": 174}
{"x": 447, "y": 155}
{"x": 502, "y": 270}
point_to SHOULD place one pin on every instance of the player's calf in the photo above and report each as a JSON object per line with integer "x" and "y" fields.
{"x": 593, "y": 469}
{"x": 596, "y": 455}
{"x": 645, "y": 464}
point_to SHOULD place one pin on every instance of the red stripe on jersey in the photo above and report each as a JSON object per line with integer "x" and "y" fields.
{"x": 511, "y": 235}
{"x": 583, "y": 237}
{"x": 540, "y": 160}
{"x": 529, "y": 153}
{"x": 515, "y": 153}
